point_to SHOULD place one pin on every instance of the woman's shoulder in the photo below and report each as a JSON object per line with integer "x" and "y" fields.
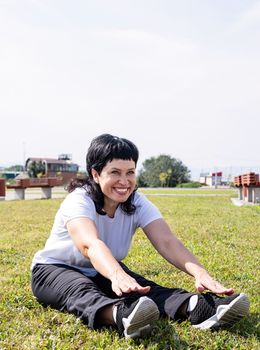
{"x": 146, "y": 211}
{"x": 138, "y": 196}
{"x": 78, "y": 203}
{"x": 140, "y": 199}
{"x": 79, "y": 195}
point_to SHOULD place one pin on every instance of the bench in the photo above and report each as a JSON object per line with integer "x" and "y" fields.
{"x": 46, "y": 184}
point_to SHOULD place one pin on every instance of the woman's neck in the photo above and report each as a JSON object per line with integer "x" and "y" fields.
{"x": 110, "y": 208}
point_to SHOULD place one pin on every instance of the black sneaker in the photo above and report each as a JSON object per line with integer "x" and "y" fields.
{"x": 135, "y": 319}
{"x": 213, "y": 311}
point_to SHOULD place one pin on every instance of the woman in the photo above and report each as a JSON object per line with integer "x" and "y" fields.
{"x": 80, "y": 269}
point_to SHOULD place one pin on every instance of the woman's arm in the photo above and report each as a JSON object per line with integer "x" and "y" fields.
{"x": 172, "y": 249}
{"x": 85, "y": 236}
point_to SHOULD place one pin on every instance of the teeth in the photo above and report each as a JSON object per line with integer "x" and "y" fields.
{"x": 121, "y": 190}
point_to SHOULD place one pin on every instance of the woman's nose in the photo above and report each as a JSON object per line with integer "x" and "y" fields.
{"x": 123, "y": 180}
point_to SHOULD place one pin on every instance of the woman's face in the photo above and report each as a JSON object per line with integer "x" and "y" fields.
{"x": 117, "y": 181}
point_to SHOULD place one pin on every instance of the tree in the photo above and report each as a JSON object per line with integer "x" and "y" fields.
{"x": 163, "y": 178}
{"x": 16, "y": 167}
{"x": 36, "y": 169}
{"x": 163, "y": 171}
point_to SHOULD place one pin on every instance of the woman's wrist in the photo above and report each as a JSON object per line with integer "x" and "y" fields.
{"x": 115, "y": 273}
{"x": 196, "y": 270}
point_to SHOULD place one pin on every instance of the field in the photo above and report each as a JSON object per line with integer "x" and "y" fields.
{"x": 224, "y": 237}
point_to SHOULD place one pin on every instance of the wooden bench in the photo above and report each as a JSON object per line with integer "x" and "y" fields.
{"x": 46, "y": 184}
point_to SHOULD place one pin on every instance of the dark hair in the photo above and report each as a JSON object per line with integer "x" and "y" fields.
{"x": 104, "y": 149}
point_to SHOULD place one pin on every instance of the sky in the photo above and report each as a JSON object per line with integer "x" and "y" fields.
{"x": 176, "y": 77}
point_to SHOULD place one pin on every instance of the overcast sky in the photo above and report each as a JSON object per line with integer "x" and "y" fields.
{"x": 176, "y": 77}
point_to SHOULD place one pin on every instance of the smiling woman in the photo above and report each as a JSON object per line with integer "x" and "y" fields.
{"x": 106, "y": 155}
{"x": 80, "y": 269}
{"x": 117, "y": 181}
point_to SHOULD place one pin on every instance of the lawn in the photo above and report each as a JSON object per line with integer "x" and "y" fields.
{"x": 224, "y": 237}
{"x": 201, "y": 191}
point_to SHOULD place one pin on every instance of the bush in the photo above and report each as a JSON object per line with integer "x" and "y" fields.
{"x": 192, "y": 184}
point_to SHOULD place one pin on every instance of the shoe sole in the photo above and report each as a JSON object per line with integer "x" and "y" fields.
{"x": 139, "y": 323}
{"x": 227, "y": 315}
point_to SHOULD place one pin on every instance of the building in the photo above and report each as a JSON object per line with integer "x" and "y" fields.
{"x": 211, "y": 179}
{"x": 63, "y": 167}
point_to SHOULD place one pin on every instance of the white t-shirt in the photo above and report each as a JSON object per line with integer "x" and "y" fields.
{"x": 116, "y": 232}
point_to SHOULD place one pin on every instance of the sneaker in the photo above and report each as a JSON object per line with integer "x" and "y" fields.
{"x": 213, "y": 311}
{"x": 135, "y": 319}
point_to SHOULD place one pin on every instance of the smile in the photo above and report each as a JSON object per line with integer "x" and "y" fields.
{"x": 121, "y": 190}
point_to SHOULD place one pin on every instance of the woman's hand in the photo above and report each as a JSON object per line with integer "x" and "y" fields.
{"x": 123, "y": 283}
{"x": 203, "y": 281}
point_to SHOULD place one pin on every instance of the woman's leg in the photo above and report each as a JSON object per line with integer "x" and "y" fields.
{"x": 92, "y": 300}
{"x": 67, "y": 289}
{"x": 206, "y": 310}
{"x": 171, "y": 302}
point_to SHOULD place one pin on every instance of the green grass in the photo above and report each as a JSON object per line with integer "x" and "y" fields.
{"x": 224, "y": 237}
{"x": 195, "y": 191}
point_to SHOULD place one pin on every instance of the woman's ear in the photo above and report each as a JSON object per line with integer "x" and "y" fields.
{"x": 95, "y": 175}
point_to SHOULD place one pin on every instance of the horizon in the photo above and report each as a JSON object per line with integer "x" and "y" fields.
{"x": 228, "y": 172}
